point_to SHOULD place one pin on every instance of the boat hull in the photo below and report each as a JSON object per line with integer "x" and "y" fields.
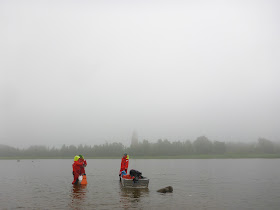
{"x": 129, "y": 183}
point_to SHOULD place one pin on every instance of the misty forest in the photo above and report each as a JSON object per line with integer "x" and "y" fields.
{"x": 202, "y": 147}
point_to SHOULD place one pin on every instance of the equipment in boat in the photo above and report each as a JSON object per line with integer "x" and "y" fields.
{"x": 134, "y": 179}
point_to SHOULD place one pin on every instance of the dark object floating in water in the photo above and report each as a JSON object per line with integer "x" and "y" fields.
{"x": 18, "y": 160}
{"x": 168, "y": 189}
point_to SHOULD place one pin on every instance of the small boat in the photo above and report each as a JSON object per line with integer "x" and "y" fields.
{"x": 134, "y": 180}
{"x": 135, "y": 183}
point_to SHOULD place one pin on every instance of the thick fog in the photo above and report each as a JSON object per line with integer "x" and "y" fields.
{"x": 87, "y": 72}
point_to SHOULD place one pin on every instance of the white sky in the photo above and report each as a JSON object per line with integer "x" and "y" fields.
{"x": 93, "y": 71}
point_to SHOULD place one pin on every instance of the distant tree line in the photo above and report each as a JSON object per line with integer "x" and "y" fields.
{"x": 202, "y": 145}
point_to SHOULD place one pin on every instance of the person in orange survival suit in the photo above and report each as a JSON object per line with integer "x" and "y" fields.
{"x": 124, "y": 164}
{"x": 84, "y": 164}
{"x": 77, "y": 166}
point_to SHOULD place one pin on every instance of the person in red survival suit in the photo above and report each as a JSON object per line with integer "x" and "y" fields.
{"x": 124, "y": 163}
{"x": 77, "y": 166}
{"x": 84, "y": 163}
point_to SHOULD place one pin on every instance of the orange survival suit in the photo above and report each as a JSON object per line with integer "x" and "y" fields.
{"x": 83, "y": 168}
{"x": 124, "y": 163}
{"x": 77, "y": 168}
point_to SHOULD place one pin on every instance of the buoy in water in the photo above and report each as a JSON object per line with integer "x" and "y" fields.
{"x": 84, "y": 181}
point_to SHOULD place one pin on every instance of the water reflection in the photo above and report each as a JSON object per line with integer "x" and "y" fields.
{"x": 78, "y": 195}
{"x": 130, "y": 197}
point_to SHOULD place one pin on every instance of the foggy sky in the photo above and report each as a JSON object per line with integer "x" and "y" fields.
{"x": 87, "y": 72}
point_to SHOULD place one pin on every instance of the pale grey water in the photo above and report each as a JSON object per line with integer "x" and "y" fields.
{"x": 198, "y": 184}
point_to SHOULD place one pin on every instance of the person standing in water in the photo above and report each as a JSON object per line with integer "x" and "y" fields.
{"x": 77, "y": 168}
{"x": 84, "y": 165}
{"x": 124, "y": 164}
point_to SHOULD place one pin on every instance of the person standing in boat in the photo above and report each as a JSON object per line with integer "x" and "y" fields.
{"x": 124, "y": 163}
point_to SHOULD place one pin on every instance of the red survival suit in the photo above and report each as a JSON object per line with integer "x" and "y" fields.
{"x": 124, "y": 164}
{"x": 83, "y": 168}
{"x": 77, "y": 168}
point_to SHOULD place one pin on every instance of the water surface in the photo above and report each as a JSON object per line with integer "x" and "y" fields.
{"x": 198, "y": 184}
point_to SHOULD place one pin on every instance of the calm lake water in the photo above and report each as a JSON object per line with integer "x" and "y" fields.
{"x": 198, "y": 184}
